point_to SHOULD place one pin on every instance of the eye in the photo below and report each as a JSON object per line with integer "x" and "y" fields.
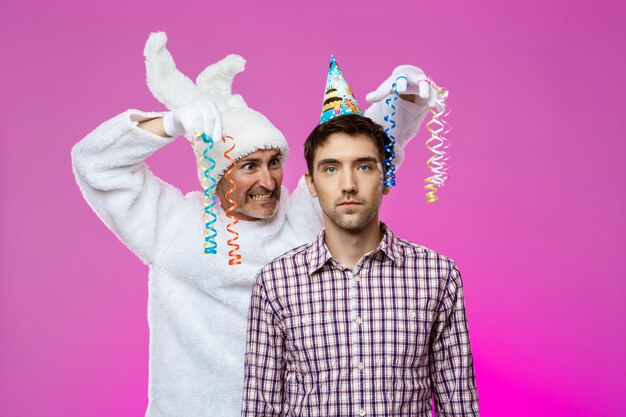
{"x": 365, "y": 167}
{"x": 275, "y": 162}
{"x": 330, "y": 170}
{"x": 249, "y": 166}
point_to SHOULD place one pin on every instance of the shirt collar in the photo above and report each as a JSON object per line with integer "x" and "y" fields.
{"x": 319, "y": 254}
{"x": 389, "y": 245}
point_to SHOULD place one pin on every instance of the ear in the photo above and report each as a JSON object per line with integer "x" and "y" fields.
{"x": 219, "y": 190}
{"x": 386, "y": 190}
{"x": 310, "y": 184}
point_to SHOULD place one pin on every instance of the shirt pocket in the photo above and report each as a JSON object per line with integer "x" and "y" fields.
{"x": 406, "y": 337}
{"x": 316, "y": 341}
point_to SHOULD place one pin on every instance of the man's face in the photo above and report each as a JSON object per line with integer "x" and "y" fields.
{"x": 258, "y": 178}
{"x": 347, "y": 179}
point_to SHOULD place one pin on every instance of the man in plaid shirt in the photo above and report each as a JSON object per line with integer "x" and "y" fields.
{"x": 357, "y": 322}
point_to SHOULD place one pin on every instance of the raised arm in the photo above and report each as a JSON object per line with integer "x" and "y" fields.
{"x": 109, "y": 166}
{"x": 451, "y": 364}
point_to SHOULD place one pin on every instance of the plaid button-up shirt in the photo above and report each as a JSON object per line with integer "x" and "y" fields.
{"x": 379, "y": 340}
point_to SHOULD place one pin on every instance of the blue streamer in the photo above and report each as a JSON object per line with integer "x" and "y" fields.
{"x": 390, "y": 169}
{"x": 209, "y": 184}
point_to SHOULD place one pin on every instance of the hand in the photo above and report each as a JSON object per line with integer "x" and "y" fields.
{"x": 193, "y": 119}
{"x": 409, "y": 80}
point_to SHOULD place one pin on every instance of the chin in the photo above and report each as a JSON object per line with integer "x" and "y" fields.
{"x": 265, "y": 214}
{"x": 352, "y": 223}
{"x": 260, "y": 213}
{"x": 350, "y": 226}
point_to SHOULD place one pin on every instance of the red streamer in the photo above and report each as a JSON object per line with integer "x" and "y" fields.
{"x": 234, "y": 257}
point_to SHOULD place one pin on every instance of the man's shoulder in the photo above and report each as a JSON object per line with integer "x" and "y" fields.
{"x": 426, "y": 263}
{"x": 416, "y": 252}
{"x": 296, "y": 258}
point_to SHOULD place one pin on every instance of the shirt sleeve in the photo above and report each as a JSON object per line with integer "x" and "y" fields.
{"x": 118, "y": 185}
{"x": 264, "y": 366}
{"x": 452, "y": 369}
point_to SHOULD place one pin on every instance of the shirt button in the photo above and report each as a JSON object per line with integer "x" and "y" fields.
{"x": 362, "y": 412}
{"x": 304, "y": 320}
{"x": 358, "y": 320}
{"x": 357, "y": 278}
{"x": 412, "y": 314}
{"x": 360, "y": 365}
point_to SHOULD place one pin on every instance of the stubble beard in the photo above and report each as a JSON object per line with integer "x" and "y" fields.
{"x": 351, "y": 220}
{"x": 267, "y": 210}
{"x": 264, "y": 213}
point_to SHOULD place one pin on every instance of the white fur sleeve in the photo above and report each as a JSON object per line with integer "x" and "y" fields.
{"x": 109, "y": 167}
{"x": 409, "y": 116}
{"x": 304, "y": 212}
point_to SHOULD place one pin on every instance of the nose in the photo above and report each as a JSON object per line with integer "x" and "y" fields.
{"x": 266, "y": 180}
{"x": 348, "y": 183}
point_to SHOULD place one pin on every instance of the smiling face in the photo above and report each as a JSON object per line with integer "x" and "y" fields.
{"x": 347, "y": 178}
{"x": 258, "y": 178}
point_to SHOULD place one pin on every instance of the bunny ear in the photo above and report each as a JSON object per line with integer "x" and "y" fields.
{"x": 216, "y": 81}
{"x": 168, "y": 85}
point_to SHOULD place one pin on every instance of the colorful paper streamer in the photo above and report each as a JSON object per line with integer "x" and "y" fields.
{"x": 437, "y": 144}
{"x": 234, "y": 257}
{"x": 208, "y": 183}
{"x": 390, "y": 169}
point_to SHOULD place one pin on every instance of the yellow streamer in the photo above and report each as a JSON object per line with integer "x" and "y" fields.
{"x": 431, "y": 194}
{"x": 437, "y": 144}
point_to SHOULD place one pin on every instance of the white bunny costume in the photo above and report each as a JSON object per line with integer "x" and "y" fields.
{"x": 198, "y": 304}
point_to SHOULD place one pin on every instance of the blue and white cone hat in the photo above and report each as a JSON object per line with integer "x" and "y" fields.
{"x": 338, "y": 98}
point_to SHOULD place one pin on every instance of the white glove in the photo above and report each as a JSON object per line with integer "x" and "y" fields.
{"x": 409, "y": 80}
{"x": 194, "y": 118}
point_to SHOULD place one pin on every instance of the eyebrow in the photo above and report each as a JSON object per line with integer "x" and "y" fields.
{"x": 358, "y": 160}
{"x": 256, "y": 160}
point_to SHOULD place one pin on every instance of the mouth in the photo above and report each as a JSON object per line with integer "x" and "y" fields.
{"x": 261, "y": 197}
{"x": 350, "y": 203}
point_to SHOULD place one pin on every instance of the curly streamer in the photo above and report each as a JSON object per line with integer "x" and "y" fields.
{"x": 206, "y": 164}
{"x": 431, "y": 190}
{"x": 437, "y": 144}
{"x": 390, "y": 168}
{"x": 234, "y": 257}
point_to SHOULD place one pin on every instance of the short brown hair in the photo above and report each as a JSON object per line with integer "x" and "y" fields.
{"x": 350, "y": 124}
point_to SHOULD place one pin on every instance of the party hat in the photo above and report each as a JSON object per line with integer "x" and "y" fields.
{"x": 338, "y": 98}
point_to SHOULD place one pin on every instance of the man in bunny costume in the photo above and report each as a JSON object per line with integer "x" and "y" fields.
{"x": 198, "y": 304}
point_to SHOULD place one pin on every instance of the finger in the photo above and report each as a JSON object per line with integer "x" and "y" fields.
{"x": 193, "y": 124}
{"x": 380, "y": 93}
{"x": 218, "y": 131}
{"x": 402, "y": 83}
{"x": 419, "y": 85}
{"x": 434, "y": 97}
{"x": 208, "y": 125}
{"x": 217, "y": 121}
{"x": 424, "y": 89}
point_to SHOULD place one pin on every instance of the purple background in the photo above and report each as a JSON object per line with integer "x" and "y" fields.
{"x": 533, "y": 212}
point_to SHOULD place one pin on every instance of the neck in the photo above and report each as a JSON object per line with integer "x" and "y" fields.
{"x": 348, "y": 247}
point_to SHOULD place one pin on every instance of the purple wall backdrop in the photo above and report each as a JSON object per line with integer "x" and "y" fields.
{"x": 533, "y": 213}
